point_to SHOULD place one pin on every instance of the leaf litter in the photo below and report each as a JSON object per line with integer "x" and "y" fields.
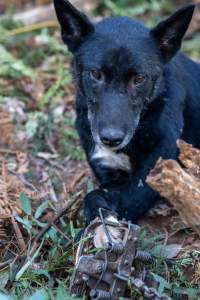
{"x": 44, "y": 177}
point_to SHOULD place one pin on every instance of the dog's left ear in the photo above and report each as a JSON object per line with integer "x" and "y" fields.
{"x": 170, "y": 32}
{"x": 75, "y": 26}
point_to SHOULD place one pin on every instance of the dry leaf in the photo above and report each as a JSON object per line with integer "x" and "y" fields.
{"x": 172, "y": 251}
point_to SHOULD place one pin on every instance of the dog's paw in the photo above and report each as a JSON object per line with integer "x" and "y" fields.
{"x": 115, "y": 233}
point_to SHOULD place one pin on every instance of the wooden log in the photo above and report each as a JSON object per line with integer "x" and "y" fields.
{"x": 189, "y": 157}
{"x": 180, "y": 183}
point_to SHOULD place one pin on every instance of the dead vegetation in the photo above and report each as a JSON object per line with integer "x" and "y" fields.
{"x": 44, "y": 176}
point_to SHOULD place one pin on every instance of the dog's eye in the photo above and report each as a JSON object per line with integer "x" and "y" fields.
{"x": 97, "y": 75}
{"x": 137, "y": 79}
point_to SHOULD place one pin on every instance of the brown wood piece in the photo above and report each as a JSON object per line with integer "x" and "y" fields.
{"x": 180, "y": 183}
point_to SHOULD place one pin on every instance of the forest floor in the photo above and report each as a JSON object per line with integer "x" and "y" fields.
{"x": 43, "y": 171}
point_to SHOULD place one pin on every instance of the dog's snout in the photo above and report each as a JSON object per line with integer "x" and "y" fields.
{"x": 112, "y": 137}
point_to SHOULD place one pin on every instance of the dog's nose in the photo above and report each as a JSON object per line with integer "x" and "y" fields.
{"x": 112, "y": 138}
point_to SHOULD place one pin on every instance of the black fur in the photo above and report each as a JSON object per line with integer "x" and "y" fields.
{"x": 136, "y": 94}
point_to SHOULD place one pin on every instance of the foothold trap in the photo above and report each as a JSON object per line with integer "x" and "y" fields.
{"x": 102, "y": 273}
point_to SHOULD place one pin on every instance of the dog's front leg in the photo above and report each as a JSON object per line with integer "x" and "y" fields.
{"x": 100, "y": 199}
{"x": 137, "y": 197}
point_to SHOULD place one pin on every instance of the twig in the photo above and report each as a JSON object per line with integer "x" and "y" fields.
{"x": 166, "y": 237}
{"x": 5, "y": 263}
{"x": 7, "y": 151}
{"x": 51, "y": 146}
{"x": 46, "y": 228}
{"x": 34, "y": 247}
{"x": 52, "y": 163}
{"x": 76, "y": 180}
{"x": 17, "y": 230}
{"x": 61, "y": 233}
{"x": 52, "y": 192}
{"x": 25, "y": 182}
{"x": 30, "y": 28}
{"x": 29, "y": 262}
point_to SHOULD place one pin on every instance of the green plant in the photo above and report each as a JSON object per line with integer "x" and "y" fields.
{"x": 36, "y": 277}
{"x": 64, "y": 78}
{"x": 134, "y": 8}
{"x": 69, "y": 141}
{"x": 192, "y": 46}
{"x": 12, "y": 67}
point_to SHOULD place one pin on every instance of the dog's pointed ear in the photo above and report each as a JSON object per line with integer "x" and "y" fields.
{"x": 75, "y": 26}
{"x": 170, "y": 32}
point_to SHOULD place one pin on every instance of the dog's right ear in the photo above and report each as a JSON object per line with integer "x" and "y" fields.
{"x": 75, "y": 26}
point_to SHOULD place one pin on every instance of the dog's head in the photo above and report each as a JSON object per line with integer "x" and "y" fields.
{"x": 120, "y": 67}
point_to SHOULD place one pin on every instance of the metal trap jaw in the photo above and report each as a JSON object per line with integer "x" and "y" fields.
{"x": 102, "y": 274}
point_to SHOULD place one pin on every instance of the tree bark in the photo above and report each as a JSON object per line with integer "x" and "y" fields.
{"x": 179, "y": 182}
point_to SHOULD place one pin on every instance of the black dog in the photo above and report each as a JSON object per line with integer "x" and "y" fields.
{"x": 136, "y": 95}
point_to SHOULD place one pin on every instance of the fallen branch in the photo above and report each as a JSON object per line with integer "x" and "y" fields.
{"x": 36, "y": 15}
{"x": 46, "y": 13}
{"x": 32, "y": 27}
{"x": 180, "y": 184}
